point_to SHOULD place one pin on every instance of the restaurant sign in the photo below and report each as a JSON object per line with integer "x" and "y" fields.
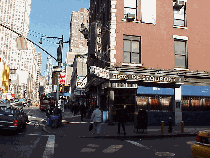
{"x": 115, "y": 75}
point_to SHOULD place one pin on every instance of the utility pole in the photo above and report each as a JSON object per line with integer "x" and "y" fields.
{"x": 59, "y": 60}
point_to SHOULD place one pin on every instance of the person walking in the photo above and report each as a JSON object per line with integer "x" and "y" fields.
{"x": 96, "y": 118}
{"x": 83, "y": 111}
{"x": 121, "y": 118}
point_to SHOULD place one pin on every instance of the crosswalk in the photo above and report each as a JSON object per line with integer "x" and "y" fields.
{"x": 93, "y": 148}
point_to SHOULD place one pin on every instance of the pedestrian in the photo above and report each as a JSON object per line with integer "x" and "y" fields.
{"x": 121, "y": 118}
{"x": 170, "y": 125}
{"x": 76, "y": 109}
{"x": 83, "y": 111}
{"x": 96, "y": 118}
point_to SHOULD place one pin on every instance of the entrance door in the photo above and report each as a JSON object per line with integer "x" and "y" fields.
{"x": 125, "y": 97}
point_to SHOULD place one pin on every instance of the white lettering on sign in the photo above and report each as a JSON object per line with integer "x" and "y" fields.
{"x": 103, "y": 73}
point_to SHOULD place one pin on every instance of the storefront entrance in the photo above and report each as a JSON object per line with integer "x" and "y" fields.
{"x": 125, "y": 97}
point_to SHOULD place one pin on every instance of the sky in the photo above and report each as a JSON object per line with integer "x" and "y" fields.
{"x": 51, "y": 18}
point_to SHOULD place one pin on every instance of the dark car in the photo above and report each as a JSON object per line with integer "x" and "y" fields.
{"x": 12, "y": 118}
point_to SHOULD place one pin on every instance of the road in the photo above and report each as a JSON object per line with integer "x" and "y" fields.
{"x": 34, "y": 142}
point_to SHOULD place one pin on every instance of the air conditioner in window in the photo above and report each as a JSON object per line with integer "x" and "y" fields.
{"x": 180, "y": 2}
{"x": 130, "y": 17}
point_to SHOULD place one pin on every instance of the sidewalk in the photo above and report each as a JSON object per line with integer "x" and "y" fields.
{"x": 110, "y": 131}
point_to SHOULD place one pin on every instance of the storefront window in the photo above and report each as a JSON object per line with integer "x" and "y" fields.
{"x": 165, "y": 102}
{"x": 141, "y": 103}
{"x": 154, "y": 103}
{"x": 196, "y": 104}
{"x": 185, "y": 104}
{"x": 207, "y": 104}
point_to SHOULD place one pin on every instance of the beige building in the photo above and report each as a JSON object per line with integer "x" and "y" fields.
{"x": 77, "y": 44}
{"x": 79, "y": 78}
{"x": 16, "y": 15}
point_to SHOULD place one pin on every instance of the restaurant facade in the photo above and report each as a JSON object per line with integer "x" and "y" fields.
{"x": 129, "y": 49}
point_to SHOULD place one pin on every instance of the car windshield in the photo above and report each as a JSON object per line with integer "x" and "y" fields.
{"x": 6, "y": 109}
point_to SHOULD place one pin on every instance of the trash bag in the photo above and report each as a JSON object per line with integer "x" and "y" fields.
{"x": 91, "y": 127}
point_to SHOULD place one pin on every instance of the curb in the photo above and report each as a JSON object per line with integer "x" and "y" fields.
{"x": 142, "y": 136}
{"x": 128, "y": 136}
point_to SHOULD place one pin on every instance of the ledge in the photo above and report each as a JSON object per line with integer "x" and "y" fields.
{"x": 131, "y": 21}
{"x": 130, "y": 64}
{"x": 178, "y": 27}
{"x": 181, "y": 69}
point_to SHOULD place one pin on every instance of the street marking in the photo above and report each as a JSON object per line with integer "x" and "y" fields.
{"x": 74, "y": 122}
{"x": 87, "y": 150}
{"x": 49, "y": 150}
{"x": 35, "y": 143}
{"x": 137, "y": 144}
{"x": 112, "y": 148}
{"x": 191, "y": 142}
{"x": 164, "y": 154}
{"x": 34, "y": 134}
{"x": 92, "y": 145}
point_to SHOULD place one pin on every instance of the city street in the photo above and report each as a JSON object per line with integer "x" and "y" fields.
{"x": 69, "y": 141}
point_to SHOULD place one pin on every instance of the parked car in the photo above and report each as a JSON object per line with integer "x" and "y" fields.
{"x": 202, "y": 146}
{"x": 12, "y": 118}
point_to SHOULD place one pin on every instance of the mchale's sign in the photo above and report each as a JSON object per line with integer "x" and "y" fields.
{"x": 147, "y": 78}
{"x": 133, "y": 77}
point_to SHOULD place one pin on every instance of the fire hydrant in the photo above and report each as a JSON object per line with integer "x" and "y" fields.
{"x": 170, "y": 125}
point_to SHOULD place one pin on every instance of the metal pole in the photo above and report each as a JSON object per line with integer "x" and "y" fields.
{"x": 57, "y": 98}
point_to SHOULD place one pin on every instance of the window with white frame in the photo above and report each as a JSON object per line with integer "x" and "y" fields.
{"x": 130, "y": 9}
{"x": 179, "y": 13}
{"x": 180, "y": 53}
{"x": 131, "y": 49}
{"x": 148, "y": 11}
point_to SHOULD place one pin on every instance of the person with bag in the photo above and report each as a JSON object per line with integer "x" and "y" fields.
{"x": 96, "y": 119}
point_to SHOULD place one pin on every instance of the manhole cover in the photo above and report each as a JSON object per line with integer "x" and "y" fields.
{"x": 164, "y": 154}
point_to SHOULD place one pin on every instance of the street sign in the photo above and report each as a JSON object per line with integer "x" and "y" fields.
{"x": 66, "y": 64}
{"x": 58, "y": 70}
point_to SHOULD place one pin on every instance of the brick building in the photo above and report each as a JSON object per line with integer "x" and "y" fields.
{"x": 156, "y": 43}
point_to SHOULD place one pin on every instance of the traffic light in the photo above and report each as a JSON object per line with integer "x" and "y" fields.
{"x": 59, "y": 54}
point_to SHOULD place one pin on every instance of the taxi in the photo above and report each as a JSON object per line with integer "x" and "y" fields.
{"x": 201, "y": 148}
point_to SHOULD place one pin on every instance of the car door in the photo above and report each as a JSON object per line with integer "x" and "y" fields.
{"x": 204, "y": 147}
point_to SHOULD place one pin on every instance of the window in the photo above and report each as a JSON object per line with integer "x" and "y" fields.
{"x": 130, "y": 9}
{"x": 148, "y": 11}
{"x": 179, "y": 9}
{"x": 180, "y": 52}
{"x": 131, "y": 49}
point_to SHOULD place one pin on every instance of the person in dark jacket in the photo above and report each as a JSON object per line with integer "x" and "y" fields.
{"x": 121, "y": 117}
{"x": 83, "y": 111}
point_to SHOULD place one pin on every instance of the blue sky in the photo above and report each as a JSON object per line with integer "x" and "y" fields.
{"x": 52, "y": 18}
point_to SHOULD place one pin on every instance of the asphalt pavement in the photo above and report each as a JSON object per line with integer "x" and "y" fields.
{"x": 74, "y": 123}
